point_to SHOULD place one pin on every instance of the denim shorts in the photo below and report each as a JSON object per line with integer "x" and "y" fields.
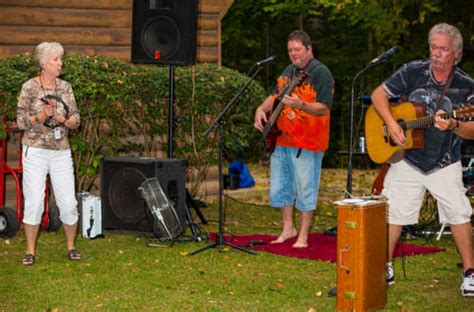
{"x": 292, "y": 176}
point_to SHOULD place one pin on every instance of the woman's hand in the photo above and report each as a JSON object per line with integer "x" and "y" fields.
{"x": 71, "y": 121}
{"x": 59, "y": 118}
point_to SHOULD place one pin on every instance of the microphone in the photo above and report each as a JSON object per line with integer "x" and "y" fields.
{"x": 384, "y": 56}
{"x": 267, "y": 60}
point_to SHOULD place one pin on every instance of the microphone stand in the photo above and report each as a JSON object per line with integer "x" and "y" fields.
{"x": 219, "y": 122}
{"x": 348, "y": 192}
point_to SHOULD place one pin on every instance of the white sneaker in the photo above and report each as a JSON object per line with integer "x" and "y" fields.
{"x": 467, "y": 286}
{"x": 390, "y": 274}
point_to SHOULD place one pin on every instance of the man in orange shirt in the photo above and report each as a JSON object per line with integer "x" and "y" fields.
{"x": 295, "y": 165}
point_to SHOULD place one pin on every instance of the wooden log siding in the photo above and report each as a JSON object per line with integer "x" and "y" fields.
{"x": 94, "y": 27}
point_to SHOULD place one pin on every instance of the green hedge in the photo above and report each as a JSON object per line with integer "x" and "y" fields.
{"x": 124, "y": 109}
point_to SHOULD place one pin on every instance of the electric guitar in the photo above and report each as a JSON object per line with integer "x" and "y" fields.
{"x": 413, "y": 120}
{"x": 270, "y": 130}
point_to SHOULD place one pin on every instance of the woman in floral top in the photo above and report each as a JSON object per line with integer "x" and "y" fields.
{"x": 46, "y": 111}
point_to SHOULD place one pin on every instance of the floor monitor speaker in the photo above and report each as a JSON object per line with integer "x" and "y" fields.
{"x": 123, "y": 207}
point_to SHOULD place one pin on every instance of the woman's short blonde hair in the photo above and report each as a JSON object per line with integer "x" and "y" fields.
{"x": 45, "y": 50}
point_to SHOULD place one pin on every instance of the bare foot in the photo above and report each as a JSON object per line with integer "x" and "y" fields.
{"x": 299, "y": 244}
{"x": 284, "y": 236}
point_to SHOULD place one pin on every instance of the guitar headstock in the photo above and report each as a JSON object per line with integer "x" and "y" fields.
{"x": 464, "y": 112}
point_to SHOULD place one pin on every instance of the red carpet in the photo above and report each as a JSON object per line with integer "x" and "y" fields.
{"x": 321, "y": 247}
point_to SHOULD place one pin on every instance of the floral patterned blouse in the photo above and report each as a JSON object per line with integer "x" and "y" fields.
{"x": 32, "y": 99}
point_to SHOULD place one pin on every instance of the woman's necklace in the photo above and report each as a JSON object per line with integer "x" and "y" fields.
{"x": 43, "y": 85}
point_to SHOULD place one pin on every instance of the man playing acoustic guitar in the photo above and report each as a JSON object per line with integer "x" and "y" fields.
{"x": 442, "y": 87}
{"x": 302, "y": 135}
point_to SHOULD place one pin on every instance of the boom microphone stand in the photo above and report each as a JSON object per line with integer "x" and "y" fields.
{"x": 348, "y": 192}
{"x": 381, "y": 59}
{"x": 219, "y": 121}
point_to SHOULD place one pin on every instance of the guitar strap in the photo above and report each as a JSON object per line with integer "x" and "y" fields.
{"x": 445, "y": 89}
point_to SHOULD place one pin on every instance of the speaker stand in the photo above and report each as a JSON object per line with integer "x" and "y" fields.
{"x": 220, "y": 239}
{"x": 171, "y": 113}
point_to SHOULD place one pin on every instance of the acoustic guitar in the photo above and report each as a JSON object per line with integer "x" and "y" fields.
{"x": 270, "y": 130}
{"x": 412, "y": 118}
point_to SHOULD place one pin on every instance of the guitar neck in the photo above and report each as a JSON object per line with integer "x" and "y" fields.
{"x": 272, "y": 119}
{"x": 424, "y": 122}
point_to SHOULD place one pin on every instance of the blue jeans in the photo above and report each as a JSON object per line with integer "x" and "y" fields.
{"x": 292, "y": 177}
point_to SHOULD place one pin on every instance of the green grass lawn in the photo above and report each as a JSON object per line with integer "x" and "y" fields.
{"x": 120, "y": 273}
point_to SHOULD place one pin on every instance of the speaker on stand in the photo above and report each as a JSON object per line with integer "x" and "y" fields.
{"x": 164, "y": 32}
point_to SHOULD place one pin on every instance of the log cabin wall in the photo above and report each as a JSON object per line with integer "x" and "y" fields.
{"x": 94, "y": 26}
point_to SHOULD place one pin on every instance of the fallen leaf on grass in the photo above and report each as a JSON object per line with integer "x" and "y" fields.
{"x": 319, "y": 293}
{"x": 311, "y": 309}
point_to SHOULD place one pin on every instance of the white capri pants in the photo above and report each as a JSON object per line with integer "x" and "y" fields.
{"x": 405, "y": 187}
{"x": 37, "y": 163}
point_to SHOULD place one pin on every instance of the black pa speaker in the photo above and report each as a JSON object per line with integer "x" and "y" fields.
{"x": 123, "y": 207}
{"x": 164, "y": 32}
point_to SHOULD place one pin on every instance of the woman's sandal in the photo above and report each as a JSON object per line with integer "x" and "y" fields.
{"x": 74, "y": 254}
{"x": 28, "y": 259}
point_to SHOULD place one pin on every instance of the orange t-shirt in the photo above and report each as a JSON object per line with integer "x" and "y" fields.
{"x": 300, "y": 129}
